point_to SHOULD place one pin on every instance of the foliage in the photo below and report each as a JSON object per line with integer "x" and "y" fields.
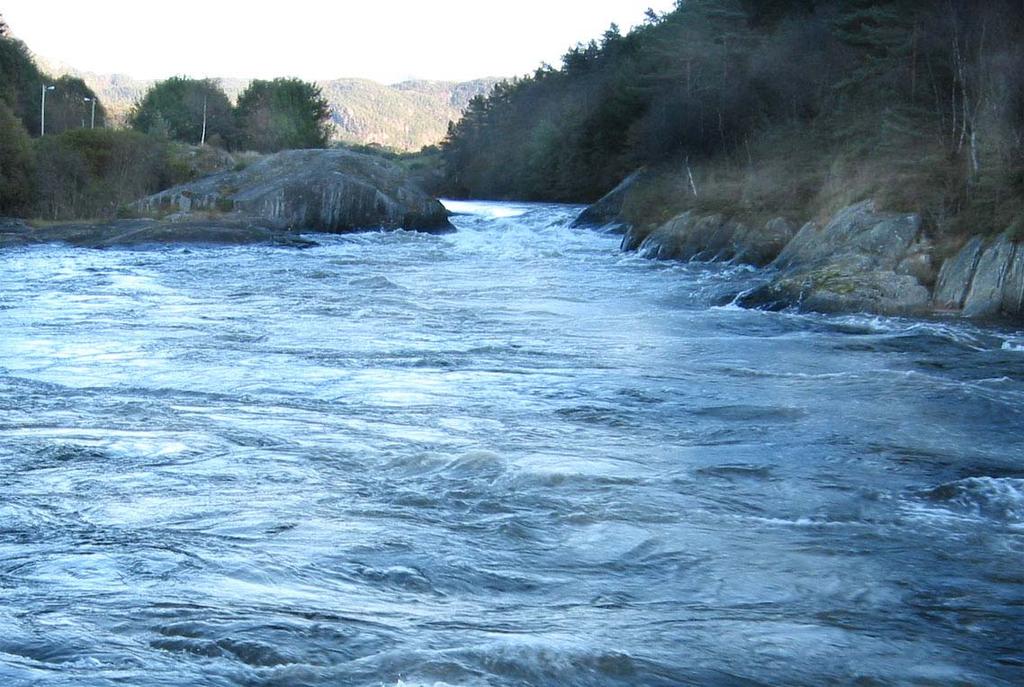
{"x": 180, "y": 107}
{"x": 283, "y": 114}
{"x": 775, "y": 107}
{"x": 405, "y": 116}
{"x": 69, "y": 106}
{"x": 17, "y": 165}
{"x": 20, "y": 82}
{"x": 92, "y": 173}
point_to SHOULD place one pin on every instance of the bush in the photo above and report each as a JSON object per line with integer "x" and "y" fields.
{"x": 91, "y": 174}
{"x": 17, "y": 167}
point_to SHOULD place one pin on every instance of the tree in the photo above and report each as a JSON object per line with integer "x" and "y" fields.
{"x": 5, "y": 30}
{"x": 187, "y": 110}
{"x": 20, "y": 80}
{"x": 16, "y": 165}
{"x": 283, "y": 114}
{"x": 69, "y": 106}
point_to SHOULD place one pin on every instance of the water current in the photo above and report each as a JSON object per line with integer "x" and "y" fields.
{"x": 511, "y": 455}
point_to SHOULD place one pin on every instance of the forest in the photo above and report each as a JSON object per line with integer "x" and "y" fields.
{"x": 791, "y": 108}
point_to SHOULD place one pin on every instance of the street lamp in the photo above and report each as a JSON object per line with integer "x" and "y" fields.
{"x": 202, "y": 141}
{"x": 93, "y": 101}
{"x": 42, "y": 110}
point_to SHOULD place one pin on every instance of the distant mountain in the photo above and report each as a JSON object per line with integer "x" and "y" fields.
{"x": 405, "y": 116}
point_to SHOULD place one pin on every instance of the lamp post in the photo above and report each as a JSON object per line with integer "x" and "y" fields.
{"x": 202, "y": 141}
{"x": 42, "y": 110}
{"x": 93, "y": 101}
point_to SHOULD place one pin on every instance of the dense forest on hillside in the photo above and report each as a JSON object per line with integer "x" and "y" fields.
{"x": 773, "y": 107}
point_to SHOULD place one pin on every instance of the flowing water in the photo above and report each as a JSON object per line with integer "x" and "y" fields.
{"x": 506, "y": 456}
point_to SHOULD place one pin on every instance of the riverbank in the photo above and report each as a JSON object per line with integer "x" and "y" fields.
{"x": 268, "y": 202}
{"x": 860, "y": 259}
{"x": 142, "y": 232}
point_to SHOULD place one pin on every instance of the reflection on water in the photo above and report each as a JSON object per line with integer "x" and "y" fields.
{"x": 508, "y": 456}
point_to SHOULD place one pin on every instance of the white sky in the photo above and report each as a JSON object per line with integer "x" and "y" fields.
{"x": 385, "y": 40}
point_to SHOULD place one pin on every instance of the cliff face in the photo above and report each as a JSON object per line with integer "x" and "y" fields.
{"x": 313, "y": 190}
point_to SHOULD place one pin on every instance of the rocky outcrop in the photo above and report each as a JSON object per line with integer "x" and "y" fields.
{"x": 607, "y": 212}
{"x": 711, "y": 238}
{"x": 307, "y": 190}
{"x": 985, "y": 279}
{"x": 861, "y": 261}
{"x": 135, "y": 233}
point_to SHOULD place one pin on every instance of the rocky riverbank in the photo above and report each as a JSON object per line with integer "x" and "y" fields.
{"x": 861, "y": 260}
{"x": 308, "y": 190}
{"x": 142, "y": 232}
{"x": 270, "y": 202}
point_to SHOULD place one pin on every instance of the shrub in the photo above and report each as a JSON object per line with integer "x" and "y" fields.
{"x": 87, "y": 174}
{"x": 16, "y": 165}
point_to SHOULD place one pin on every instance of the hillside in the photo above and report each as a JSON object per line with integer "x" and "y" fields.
{"x": 406, "y": 116}
{"x": 772, "y": 109}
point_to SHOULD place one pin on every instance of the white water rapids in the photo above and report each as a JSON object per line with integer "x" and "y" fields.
{"x": 507, "y": 456}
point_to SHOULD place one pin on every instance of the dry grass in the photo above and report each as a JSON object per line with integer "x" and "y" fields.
{"x": 804, "y": 175}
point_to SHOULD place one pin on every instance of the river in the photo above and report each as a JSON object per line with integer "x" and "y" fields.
{"x": 507, "y": 456}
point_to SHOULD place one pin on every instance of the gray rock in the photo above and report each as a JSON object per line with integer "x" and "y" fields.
{"x": 607, "y": 212}
{"x": 878, "y": 241}
{"x": 691, "y": 237}
{"x": 135, "y": 233}
{"x": 985, "y": 279}
{"x": 314, "y": 190}
{"x": 842, "y": 288}
{"x": 956, "y": 276}
{"x": 759, "y": 247}
{"x": 1013, "y": 289}
{"x": 861, "y": 261}
{"x": 635, "y": 237}
{"x": 985, "y": 298}
{"x": 711, "y": 238}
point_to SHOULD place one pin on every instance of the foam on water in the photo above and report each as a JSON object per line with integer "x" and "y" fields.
{"x": 997, "y": 499}
{"x": 511, "y": 455}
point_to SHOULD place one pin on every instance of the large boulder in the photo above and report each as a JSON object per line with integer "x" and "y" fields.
{"x": 607, "y": 212}
{"x": 985, "y": 279}
{"x": 308, "y": 190}
{"x": 863, "y": 260}
{"x": 857, "y": 234}
{"x": 712, "y": 238}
